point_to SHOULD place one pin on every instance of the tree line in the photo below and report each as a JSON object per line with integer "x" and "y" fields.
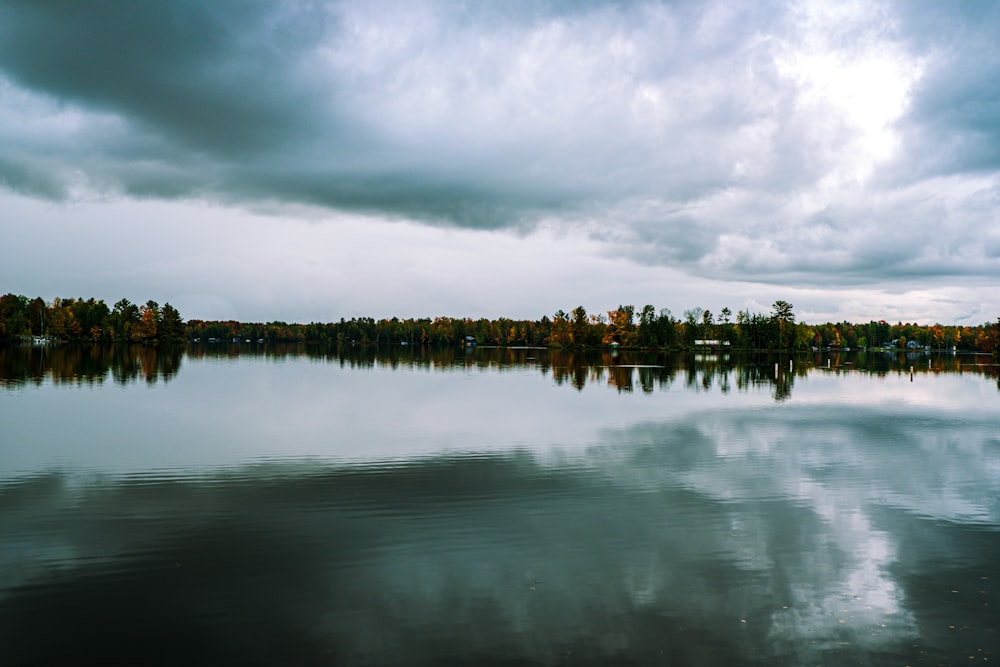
{"x": 624, "y": 327}
{"x": 90, "y": 320}
{"x": 648, "y": 328}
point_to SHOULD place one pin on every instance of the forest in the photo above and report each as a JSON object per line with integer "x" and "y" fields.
{"x": 79, "y": 320}
{"x": 90, "y": 320}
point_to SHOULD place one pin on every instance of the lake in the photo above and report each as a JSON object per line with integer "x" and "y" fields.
{"x": 257, "y": 505}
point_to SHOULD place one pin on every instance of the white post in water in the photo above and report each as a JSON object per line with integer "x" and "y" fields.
{"x": 827, "y": 363}
{"x": 789, "y": 365}
{"x": 776, "y": 371}
{"x": 911, "y": 373}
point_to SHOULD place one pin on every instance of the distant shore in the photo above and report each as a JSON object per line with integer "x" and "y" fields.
{"x": 74, "y": 320}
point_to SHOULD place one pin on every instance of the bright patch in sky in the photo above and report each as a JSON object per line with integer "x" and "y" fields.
{"x": 864, "y": 81}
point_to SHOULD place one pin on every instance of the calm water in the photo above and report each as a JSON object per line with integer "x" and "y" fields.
{"x": 251, "y": 506}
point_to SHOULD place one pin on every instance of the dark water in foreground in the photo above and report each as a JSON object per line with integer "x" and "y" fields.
{"x": 497, "y": 507}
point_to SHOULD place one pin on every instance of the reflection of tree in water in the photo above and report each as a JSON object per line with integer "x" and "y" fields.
{"x": 133, "y": 362}
{"x": 89, "y": 364}
{"x": 621, "y": 377}
{"x": 623, "y": 370}
{"x": 580, "y": 374}
{"x": 783, "y": 386}
{"x": 649, "y": 377}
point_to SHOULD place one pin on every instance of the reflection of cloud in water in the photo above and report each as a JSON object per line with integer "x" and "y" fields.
{"x": 934, "y": 466}
{"x": 753, "y": 537}
{"x": 839, "y": 465}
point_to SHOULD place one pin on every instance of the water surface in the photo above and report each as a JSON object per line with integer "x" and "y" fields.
{"x": 248, "y": 505}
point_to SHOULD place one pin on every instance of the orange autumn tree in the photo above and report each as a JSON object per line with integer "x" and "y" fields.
{"x": 149, "y": 316}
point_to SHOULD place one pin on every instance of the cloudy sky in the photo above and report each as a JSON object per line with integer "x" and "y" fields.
{"x": 308, "y": 161}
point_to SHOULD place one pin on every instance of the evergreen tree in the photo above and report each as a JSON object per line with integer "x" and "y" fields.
{"x": 170, "y": 326}
{"x": 785, "y": 318}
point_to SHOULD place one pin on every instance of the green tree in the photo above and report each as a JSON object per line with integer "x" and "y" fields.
{"x": 707, "y": 327}
{"x": 666, "y": 328}
{"x": 170, "y": 326}
{"x": 123, "y": 319}
{"x": 725, "y": 325}
{"x": 784, "y": 317}
{"x": 579, "y": 327}
{"x": 647, "y": 327}
{"x": 13, "y": 316}
{"x": 37, "y": 315}
{"x": 691, "y": 316}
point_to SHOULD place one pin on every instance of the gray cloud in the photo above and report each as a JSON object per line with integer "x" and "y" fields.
{"x": 208, "y": 76}
{"x": 954, "y": 124}
{"x": 20, "y": 175}
{"x": 751, "y": 141}
{"x": 394, "y": 107}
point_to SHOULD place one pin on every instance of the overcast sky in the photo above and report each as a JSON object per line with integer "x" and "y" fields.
{"x": 307, "y": 161}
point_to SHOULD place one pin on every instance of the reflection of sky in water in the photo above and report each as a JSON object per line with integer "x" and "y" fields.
{"x": 218, "y": 414}
{"x": 839, "y": 463}
{"x": 389, "y": 512}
